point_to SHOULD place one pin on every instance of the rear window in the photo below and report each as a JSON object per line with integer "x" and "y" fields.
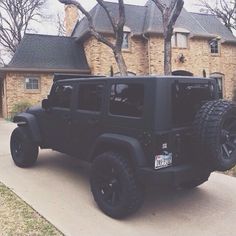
{"x": 127, "y": 100}
{"x": 187, "y": 98}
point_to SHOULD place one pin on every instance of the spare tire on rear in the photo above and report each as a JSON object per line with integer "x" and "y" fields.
{"x": 215, "y": 134}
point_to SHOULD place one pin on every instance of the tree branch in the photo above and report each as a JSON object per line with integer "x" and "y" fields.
{"x": 224, "y": 10}
{"x": 14, "y": 20}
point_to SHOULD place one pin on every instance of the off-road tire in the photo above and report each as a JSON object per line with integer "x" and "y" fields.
{"x": 209, "y": 125}
{"x": 23, "y": 150}
{"x": 130, "y": 195}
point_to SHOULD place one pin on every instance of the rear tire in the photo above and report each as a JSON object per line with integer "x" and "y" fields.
{"x": 23, "y": 150}
{"x": 114, "y": 186}
{"x": 215, "y": 132}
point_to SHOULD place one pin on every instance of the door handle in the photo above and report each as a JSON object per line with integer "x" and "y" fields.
{"x": 67, "y": 118}
{"x": 93, "y": 121}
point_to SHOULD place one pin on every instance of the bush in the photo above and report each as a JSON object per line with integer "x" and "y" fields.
{"x": 19, "y": 107}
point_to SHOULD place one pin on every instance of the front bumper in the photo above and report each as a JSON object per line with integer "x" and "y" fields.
{"x": 172, "y": 176}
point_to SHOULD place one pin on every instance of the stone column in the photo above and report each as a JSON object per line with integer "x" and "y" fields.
{"x": 71, "y": 18}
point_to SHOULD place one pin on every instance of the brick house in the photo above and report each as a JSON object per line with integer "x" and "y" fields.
{"x": 201, "y": 46}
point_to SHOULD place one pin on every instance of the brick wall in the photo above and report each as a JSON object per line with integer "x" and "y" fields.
{"x": 15, "y": 91}
{"x": 147, "y": 57}
{"x": 100, "y": 57}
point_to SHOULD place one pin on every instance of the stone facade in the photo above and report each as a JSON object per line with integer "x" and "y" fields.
{"x": 100, "y": 57}
{"x": 146, "y": 56}
{"x": 15, "y": 91}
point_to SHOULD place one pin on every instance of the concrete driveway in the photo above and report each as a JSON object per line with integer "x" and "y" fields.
{"x": 58, "y": 188}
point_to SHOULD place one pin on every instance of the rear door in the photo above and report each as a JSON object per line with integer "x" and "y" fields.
{"x": 87, "y": 116}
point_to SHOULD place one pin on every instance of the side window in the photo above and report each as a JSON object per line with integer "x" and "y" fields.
{"x": 214, "y": 46}
{"x": 90, "y": 97}
{"x": 125, "y": 44}
{"x": 127, "y": 99}
{"x": 61, "y": 96}
{"x": 32, "y": 83}
{"x": 179, "y": 40}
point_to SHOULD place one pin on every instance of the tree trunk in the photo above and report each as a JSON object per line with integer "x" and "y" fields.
{"x": 121, "y": 63}
{"x": 167, "y": 56}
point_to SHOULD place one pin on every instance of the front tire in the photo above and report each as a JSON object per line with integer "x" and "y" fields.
{"x": 23, "y": 150}
{"x": 114, "y": 186}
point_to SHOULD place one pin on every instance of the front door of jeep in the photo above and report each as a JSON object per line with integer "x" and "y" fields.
{"x": 57, "y": 120}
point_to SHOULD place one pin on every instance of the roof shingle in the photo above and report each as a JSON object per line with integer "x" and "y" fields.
{"x": 148, "y": 19}
{"x": 49, "y": 52}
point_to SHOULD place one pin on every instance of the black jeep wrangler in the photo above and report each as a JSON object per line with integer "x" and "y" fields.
{"x": 165, "y": 130}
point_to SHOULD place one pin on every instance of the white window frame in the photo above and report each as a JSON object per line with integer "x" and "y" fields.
{"x": 126, "y": 44}
{"x": 28, "y": 80}
{"x": 174, "y": 39}
{"x": 216, "y": 50}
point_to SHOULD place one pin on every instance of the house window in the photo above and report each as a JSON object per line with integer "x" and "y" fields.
{"x": 127, "y": 100}
{"x": 90, "y": 97}
{"x": 32, "y": 83}
{"x": 179, "y": 40}
{"x": 214, "y": 46}
{"x": 125, "y": 44}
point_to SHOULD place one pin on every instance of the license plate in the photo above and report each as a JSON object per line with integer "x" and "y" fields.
{"x": 162, "y": 161}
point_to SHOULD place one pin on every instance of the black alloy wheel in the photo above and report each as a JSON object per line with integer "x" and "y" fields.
{"x": 114, "y": 186}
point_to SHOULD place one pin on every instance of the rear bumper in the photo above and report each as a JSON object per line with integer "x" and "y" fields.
{"x": 172, "y": 176}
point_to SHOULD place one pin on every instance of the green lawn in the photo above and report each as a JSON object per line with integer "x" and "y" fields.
{"x": 18, "y": 218}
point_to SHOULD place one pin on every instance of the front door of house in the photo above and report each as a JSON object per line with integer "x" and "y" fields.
{"x": 219, "y": 82}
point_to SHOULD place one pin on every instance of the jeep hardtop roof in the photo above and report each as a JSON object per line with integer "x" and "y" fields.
{"x": 128, "y": 78}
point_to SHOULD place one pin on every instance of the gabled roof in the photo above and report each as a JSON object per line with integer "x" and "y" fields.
{"x": 148, "y": 19}
{"x": 135, "y": 18}
{"x": 213, "y": 26}
{"x": 49, "y": 53}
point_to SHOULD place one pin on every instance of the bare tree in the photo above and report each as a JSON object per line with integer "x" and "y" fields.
{"x": 225, "y": 10}
{"x": 170, "y": 12}
{"x": 15, "y": 16}
{"x": 117, "y": 26}
{"x": 60, "y": 25}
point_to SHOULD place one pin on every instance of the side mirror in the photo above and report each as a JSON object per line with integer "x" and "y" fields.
{"x": 46, "y": 104}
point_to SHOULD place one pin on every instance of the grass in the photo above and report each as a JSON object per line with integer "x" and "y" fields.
{"x": 18, "y": 218}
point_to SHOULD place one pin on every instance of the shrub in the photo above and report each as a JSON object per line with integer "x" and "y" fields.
{"x": 19, "y": 107}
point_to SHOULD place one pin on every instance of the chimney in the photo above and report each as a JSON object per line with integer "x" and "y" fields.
{"x": 71, "y": 17}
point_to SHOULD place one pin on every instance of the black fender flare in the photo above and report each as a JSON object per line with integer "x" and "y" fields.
{"x": 29, "y": 120}
{"x": 129, "y": 143}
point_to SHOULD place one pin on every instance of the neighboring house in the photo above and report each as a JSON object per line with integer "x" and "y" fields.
{"x": 202, "y": 46}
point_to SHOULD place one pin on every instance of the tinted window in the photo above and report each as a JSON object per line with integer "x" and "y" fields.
{"x": 61, "y": 96}
{"x": 127, "y": 99}
{"x": 90, "y": 97}
{"x": 187, "y": 99}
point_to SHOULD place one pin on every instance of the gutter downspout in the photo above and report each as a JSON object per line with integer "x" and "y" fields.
{"x": 149, "y": 56}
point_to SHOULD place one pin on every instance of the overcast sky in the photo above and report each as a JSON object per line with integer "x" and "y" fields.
{"x": 53, "y": 7}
